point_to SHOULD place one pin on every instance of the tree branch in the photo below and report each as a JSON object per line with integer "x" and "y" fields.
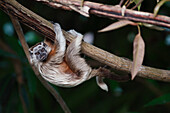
{"x": 137, "y": 4}
{"x": 18, "y": 70}
{"x": 121, "y": 2}
{"x": 41, "y": 25}
{"x": 111, "y": 12}
{"x": 44, "y": 82}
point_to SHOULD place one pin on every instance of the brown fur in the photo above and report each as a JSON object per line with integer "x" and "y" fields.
{"x": 65, "y": 68}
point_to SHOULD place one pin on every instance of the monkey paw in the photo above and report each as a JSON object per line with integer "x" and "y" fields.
{"x": 75, "y": 33}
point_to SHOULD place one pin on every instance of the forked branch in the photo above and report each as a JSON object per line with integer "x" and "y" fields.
{"x": 111, "y": 12}
{"x": 41, "y": 25}
{"x": 44, "y": 82}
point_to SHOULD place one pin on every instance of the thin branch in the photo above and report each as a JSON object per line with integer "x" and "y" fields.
{"x": 137, "y": 4}
{"x": 44, "y": 82}
{"x": 18, "y": 70}
{"x": 111, "y": 12}
{"x": 44, "y": 27}
{"x": 6, "y": 48}
{"x": 121, "y": 2}
{"x": 129, "y": 4}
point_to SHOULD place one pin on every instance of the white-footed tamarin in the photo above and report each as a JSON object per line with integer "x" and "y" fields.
{"x": 58, "y": 65}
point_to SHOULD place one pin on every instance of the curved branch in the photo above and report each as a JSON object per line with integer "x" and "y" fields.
{"x": 18, "y": 70}
{"x": 41, "y": 25}
{"x": 111, "y": 12}
{"x": 44, "y": 82}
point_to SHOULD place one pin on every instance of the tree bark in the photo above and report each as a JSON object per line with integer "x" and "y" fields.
{"x": 111, "y": 12}
{"x": 41, "y": 25}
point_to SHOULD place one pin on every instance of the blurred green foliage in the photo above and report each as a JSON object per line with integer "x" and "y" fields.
{"x": 138, "y": 96}
{"x": 161, "y": 100}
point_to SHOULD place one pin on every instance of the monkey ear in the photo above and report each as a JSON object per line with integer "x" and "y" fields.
{"x": 30, "y": 53}
{"x": 43, "y": 44}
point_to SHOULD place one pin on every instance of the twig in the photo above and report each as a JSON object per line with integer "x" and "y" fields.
{"x": 111, "y": 12}
{"x": 128, "y": 4}
{"x": 137, "y": 4}
{"x": 45, "y": 83}
{"x": 121, "y": 2}
{"x": 18, "y": 70}
{"x": 6, "y": 48}
{"x": 41, "y": 25}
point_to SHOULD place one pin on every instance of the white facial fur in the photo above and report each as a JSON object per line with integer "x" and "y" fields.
{"x": 39, "y": 53}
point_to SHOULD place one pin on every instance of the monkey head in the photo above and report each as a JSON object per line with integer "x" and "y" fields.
{"x": 39, "y": 52}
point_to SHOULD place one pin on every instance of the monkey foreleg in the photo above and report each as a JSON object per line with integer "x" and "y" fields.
{"x": 59, "y": 38}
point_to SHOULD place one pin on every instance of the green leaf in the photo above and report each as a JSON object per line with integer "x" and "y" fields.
{"x": 160, "y": 100}
{"x": 136, "y": 2}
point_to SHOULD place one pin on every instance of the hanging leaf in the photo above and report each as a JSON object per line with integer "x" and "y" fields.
{"x": 153, "y": 26}
{"x": 101, "y": 83}
{"x": 160, "y": 100}
{"x": 157, "y": 7}
{"x": 116, "y": 25}
{"x": 138, "y": 54}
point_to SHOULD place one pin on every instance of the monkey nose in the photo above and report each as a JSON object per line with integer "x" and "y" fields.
{"x": 43, "y": 57}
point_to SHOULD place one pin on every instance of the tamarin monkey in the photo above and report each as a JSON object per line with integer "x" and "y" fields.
{"x": 59, "y": 65}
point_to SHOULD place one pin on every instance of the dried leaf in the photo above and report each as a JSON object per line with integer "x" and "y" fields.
{"x": 153, "y": 26}
{"x": 138, "y": 54}
{"x": 116, "y": 25}
{"x": 82, "y": 10}
{"x": 101, "y": 84}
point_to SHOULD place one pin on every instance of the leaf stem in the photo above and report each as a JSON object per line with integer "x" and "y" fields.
{"x": 139, "y": 32}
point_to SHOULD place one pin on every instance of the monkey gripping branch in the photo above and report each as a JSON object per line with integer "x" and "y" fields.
{"x": 44, "y": 27}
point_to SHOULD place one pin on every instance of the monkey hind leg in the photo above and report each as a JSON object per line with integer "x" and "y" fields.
{"x": 73, "y": 59}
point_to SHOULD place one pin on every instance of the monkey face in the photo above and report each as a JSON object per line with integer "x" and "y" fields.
{"x": 39, "y": 52}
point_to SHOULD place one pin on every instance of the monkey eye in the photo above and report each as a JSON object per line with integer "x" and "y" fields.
{"x": 30, "y": 52}
{"x": 44, "y": 44}
{"x": 42, "y": 50}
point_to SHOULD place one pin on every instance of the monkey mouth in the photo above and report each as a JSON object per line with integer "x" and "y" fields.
{"x": 43, "y": 57}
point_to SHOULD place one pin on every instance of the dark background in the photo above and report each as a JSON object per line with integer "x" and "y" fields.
{"x": 129, "y": 97}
